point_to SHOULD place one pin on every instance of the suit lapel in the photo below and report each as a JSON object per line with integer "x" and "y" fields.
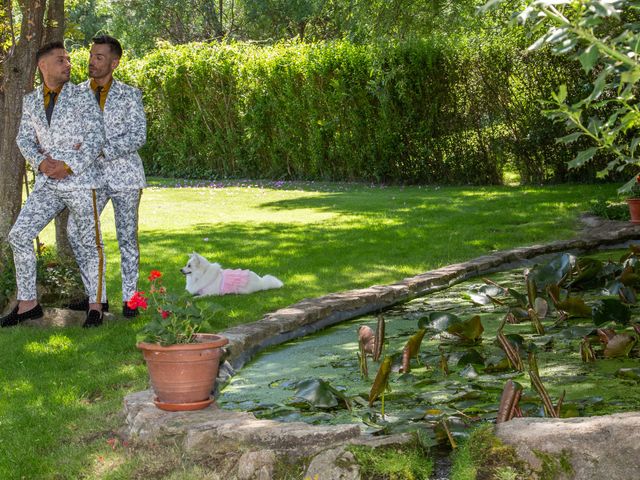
{"x": 60, "y": 103}
{"x": 114, "y": 91}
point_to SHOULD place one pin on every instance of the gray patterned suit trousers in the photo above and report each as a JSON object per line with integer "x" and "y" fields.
{"x": 41, "y": 207}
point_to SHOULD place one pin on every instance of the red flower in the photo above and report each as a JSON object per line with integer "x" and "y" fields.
{"x": 165, "y": 313}
{"x": 154, "y": 274}
{"x": 137, "y": 301}
{"x": 638, "y": 179}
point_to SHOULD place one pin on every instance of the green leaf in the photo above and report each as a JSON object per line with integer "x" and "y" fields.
{"x": 317, "y": 393}
{"x": 589, "y": 57}
{"x": 468, "y": 331}
{"x": 552, "y": 272}
{"x": 561, "y": 96}
{"x": 620, "y": 345}
{"x": 610, "y": 310}
{"x": 575, "y": 307}
{"x": 438, "y": 321}
{"x": 381, "y": 381}
{"x": 572, "y": 137}
{"x": 583, "y": 157}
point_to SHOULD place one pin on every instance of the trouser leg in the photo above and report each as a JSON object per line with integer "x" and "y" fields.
{"x": 125, "y": 208}
{"x": 83, "y": 208}
{"x": 41, "y": 207}
{"x": 102, "y": 197}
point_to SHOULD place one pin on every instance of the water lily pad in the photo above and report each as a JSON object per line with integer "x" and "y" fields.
{"x": 464, "y": 357}
{"x": 610, "y": 310}
{"x": 575, "y": 307}
{"x": 438, "y": 321}
{"x": 469, "y": 331}
{"x": 553, "y": 272}
{"x": 469, "y": 372}
{"x": 520, "y": 298}
{"x": 620, "y": 345}
{"x": 586, "y": 271}
{"x": 629, "y": 374}
{"x": 317, "y": 393}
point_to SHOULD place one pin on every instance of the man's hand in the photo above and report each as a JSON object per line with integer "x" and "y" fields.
{"x": 55, "y": 169}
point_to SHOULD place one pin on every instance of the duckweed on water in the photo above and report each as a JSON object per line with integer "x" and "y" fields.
{"x": 455, "y": 382}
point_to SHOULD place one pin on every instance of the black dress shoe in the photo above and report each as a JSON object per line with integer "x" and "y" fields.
{"x": 83, "y": 305}
{"x": 14, "y": 318}
{"x": 129, "y": 312}
{"x": 94, "y": 319}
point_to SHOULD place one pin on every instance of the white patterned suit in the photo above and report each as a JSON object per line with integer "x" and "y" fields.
{"x": 121, "y": 168}
{"x": 75, "y": 121}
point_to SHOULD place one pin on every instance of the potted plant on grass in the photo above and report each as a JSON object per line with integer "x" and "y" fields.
{"x": 182, "y": 361}
{"x": 634, "y": 201}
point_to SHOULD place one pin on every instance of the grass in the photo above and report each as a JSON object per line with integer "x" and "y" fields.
{"x": 61, "y": 390}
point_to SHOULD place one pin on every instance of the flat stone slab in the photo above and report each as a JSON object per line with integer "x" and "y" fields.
{"x": 604, "y": 447}
{"x": 214, "y": 429}
{"x": 61, "y": 317}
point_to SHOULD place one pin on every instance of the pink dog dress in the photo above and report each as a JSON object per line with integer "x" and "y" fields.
{"x": 233, "y": 281}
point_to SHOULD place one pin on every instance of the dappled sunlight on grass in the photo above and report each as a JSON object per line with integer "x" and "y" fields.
{"x": 55, "y": 344}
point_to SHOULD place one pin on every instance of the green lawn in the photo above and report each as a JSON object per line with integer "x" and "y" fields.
{"x": 62, "y": 389}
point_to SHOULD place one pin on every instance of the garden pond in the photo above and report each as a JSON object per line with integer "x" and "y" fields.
{"x": 585, "y": 345}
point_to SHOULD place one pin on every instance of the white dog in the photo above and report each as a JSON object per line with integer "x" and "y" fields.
{"x": 205, "y": 278}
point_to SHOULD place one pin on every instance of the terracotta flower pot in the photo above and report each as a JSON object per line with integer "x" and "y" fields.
{"x": 634, "y": 209}
{"x": 183, "y": 376}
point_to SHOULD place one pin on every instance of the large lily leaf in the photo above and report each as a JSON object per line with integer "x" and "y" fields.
{"x": 520, "y": 298}
{"x": 629, "y": 374}
{"x": 575, "y": 307}
{"x": 317, "y": 393}
{"x": 469, "y": 331}
{"x": 381, "y": 382}
{"x": 610, "y": 310}
{"x": 629, "y": 278}
{"x": 541, "y": 307}
{"x": 438, "y": 321}
{"x": 586, "y": 271}
{"x": 553, "y": 272}
{"x": 463, "y": 358}
{"x": 620, "y": 345}
{"x": 411, "y": 349}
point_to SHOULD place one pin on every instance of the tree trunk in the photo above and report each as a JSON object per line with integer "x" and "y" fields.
{"x": 18, "y": 73}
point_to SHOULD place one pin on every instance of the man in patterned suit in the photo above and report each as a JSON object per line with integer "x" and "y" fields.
{"x": 61, "y": 134}
{"x": 121, "y": 167}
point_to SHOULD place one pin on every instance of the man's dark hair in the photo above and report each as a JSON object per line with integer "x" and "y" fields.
{"x": 114, "y": 44}
{"x": 46, "y": 48}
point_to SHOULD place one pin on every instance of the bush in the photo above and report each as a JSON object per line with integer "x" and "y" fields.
{"x": 420, "y": 111}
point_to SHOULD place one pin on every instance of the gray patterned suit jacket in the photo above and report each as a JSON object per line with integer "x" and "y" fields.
{"x": 126, "y": 132}
{"x": 76, "y": 120}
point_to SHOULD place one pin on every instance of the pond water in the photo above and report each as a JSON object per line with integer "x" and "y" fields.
{"x": 449, "y": 383}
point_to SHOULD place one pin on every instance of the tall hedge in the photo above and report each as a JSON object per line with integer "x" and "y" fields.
{"x": 430, "y": 111}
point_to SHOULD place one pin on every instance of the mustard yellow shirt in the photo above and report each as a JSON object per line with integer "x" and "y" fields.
{"x": 103, "y": 93}
{"x": 46, "y": 95}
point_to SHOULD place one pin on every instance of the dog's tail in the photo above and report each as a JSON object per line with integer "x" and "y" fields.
{"x": 269, "y": 281}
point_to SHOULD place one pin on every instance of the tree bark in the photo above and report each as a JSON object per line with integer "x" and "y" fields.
{"x": 18, "y": 72}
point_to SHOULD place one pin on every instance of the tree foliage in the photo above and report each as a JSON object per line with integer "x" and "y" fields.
{"x": 604, "y": 37}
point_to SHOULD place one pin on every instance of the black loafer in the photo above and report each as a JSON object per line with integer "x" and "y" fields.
{"x": 83, "y": 305}
{"x": 94, "y": 319}
{"x": 14, "y": 318}
{"x": 129, "y": 312}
